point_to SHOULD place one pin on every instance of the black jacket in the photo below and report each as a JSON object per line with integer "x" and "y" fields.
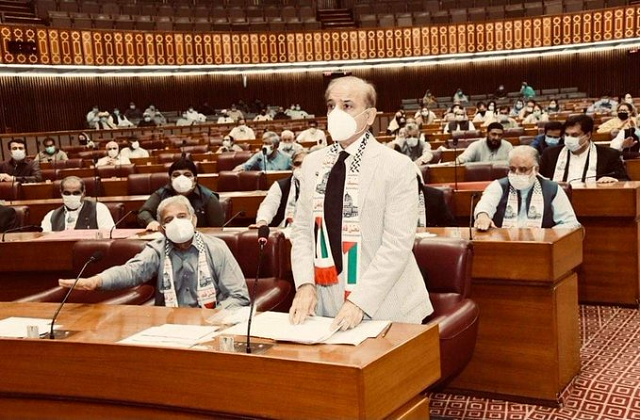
{"x": 609, "y": 163}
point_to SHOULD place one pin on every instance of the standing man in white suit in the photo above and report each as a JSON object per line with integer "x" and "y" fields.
{"x": 355, "y": 223}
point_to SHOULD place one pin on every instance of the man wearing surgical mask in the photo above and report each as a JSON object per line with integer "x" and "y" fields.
{"x": 147, "y": 121}
{"x": 113, "y": 158}
{"x": 134, "y": 150}
{"x": 229, "y": 145}
{"x": 270, "y": 158}
{"x": 189, "y": 269}
{"x": 355, "y": 222}
{"x": 492, "y": 149}
{"x": 50, "y": 153}
{"x": 76, "y": 212}
{"x": 460, "y": 122}
{"x": 19, "y": 168}
{"x": 183, "y": 180}
{"x": 120, "y": 120}
{"x": 581, "y": 160}
{"x": 413, "y": 145}
{"x": 242, "y": 131}
{"x": 524, "y": 199}
{"x": 552, "y": 137}
{"x": 287, "y": 144}
{"x": 279, "y": 206}
{"x": 313, "y": 135}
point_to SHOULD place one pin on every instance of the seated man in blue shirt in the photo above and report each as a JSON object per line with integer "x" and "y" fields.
{"x": 553, "y": 136}
{"x": 269, "y": 158}
{"x": 524, "y": 199}
{"x": 191, "y": 269}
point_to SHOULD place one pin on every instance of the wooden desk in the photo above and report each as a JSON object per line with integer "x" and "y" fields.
{"x": 525, "y": 284}
{"x": 633, "y": 168}
{"x": 381, "y": 378}
{"x": 610, "y": 213}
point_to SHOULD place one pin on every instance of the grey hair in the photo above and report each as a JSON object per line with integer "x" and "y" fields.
{"x": 73, "y": 178}
{"x": 527, "y": 151}
{"x": 298, "y": 153}
{"x": 275, "y": 138}
{"x": 368, "y": 90}
{"x": 176, "y": 199}
{"x": 412, "y": 127}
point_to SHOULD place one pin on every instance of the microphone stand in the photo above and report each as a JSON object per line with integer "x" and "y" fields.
{"x": 454, "y": 141}
{"x": 119, "y": 221}
{"x": 232, "y": 218}
{"x": 263, "y": 235}
{"x": 473, "y": 199}
{"x": 96, "y": 178}
{"x": 20, "y": 228}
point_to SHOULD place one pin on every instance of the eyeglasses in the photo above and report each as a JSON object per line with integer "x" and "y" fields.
{"x": 68, "y": 193}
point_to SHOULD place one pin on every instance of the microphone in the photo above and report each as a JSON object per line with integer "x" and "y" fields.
{"x": 263, "y": 238}
{"x": 96, "y": 178}
{"x": 118, "y": 222}
{"x": 183, "y": 154}
{"x": 473, "y": 199}
{"x": 240, "y": 213}
{"x": 454, "y": 141}
{"x": 264, "y": 152}
{"x": 97, "y": 256}
{"x": 36, "y": 228}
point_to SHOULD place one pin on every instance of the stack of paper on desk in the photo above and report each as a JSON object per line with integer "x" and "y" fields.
{"x": 315, "y": 330}
{"x": 173, "y": 335}
{"x": 16, "y": 327}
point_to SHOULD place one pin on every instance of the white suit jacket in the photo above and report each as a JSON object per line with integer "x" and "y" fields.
{"x": 390, "y": 284}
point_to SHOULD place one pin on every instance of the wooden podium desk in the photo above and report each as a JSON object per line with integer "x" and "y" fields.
{"x": 610, "y": 213}
{"x": 525, "y": 284}
{"x": 381, "y": 378}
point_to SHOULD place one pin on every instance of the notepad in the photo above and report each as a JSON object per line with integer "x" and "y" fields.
{"x": 315, "y": 330}
{"x": 16, "y": 327}
{"x": 173, "y": 336}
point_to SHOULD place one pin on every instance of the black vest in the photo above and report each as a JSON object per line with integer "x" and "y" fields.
{"x": 464, "y": 126}
{"x": 285, "y": 187}
{"x": 549, "y": 191}
{"x": 87, "y": 219}
{"x": 198, "y": 201}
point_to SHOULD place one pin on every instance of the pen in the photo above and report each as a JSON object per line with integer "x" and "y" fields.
{"x": 386, "y": 330}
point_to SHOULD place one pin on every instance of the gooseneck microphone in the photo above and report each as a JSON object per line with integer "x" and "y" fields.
{"x": 263, "y": 238}
{"x": 454, "y": 141}
{"x": 231, "y": 219}
{"x": 120, "y": 220}
{"x": 97, "y": 256}
{"x": 96, "y": 178}
{"x": 473, "y": 199}
{"x": 36, "y": 228}
{"x": 265, "y": 157}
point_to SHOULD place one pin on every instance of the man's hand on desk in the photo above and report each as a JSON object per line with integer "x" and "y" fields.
{"x": 606, "y": 180}
{"x": 6, "y": 178}
{"x": 304, "y": 304}
{"x": 483, "y": 222}
{"x": 350, "y": 316}
{"x": 257, "y": 225}
{"x": 153, "y": 226}
{"x": 91, "y": 283}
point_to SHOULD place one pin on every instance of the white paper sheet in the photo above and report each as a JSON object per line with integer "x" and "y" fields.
{"x": 173, "y": 335}
{"x": 314, "y": 330}
{"x": 16, "y": 327}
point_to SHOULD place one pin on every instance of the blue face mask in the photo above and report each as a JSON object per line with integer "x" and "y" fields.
{"x": 551, "y": 141}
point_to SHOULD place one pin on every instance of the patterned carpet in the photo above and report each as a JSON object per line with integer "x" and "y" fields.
{"x": 607, "y": 388}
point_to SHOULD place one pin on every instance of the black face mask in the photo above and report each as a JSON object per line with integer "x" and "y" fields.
{"x": 494, "y": 145}
{"x": 623, "y": 115}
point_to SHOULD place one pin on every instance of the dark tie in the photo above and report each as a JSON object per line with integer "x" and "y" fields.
{"x": 333, "y": 208}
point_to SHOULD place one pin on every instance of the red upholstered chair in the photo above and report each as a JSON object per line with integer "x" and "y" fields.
{"x": 228, "y": 180}
{"x": 22, "y": 215}
{"x": 252, "y": 180}
{"x": 226, "y": 161}
{"x": 69, "y": 163}
{"x": 146, "y": 184}
{"x": 426, "y": 174}
{"x": 116, "y": 210}
{"x": 227, "y": 207}
{"x": 49, "y": 174}
{"x": 10, "y": 191}
{"x": 445, "y": 264}
{"x": 118, "y": 171}
{"x": 478, "y": 172}
{"x": 172, "y": 157}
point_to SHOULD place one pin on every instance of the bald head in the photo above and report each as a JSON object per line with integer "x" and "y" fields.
{"x": 365, "y": 90}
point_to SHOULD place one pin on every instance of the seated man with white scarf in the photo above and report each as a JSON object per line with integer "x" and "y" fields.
{"x": 581, "y": 160}
{"x": 191, "y": 269}
{"x": 524, "y": 199}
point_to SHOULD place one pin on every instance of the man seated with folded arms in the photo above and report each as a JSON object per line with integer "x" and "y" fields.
{"x": 133, "y": 150}
{"x": 114, "y": 157}
{"x": 19, "y": 168}
{"x": 580, "y": 159}
{"x": 279, "y": 206}
{"x": 50, "y": 153}
{"x": 76, "y": 212}
{"x": 191, "y": 269}
{"x": 413, "y": 145}
{"x": 524, "y": 199}
{"x": 183, "y": 176}
{"x": 492, "y": 149}
{"x": 270, "y": 158}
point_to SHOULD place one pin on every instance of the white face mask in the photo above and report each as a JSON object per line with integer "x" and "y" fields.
{"x": 341, "y": 125}
{"x": 72, "y": 202}
{"x": 135, "y": 145}
{"x": 572, "y": 143}
{"x": 182, "y": 184}
{"x": 226, "y": 143}
{"x": 297, "y": 173}
{"x": 286, "y": 147}
{"x": 179, "y": 231}
{"x": 267, "y": 150}
{"x": 521, "y": 182}
{"x": 112, "y": 153}
{"x": 19, "y": 154}
{"x": 459, "y": 117}
{"x": 412, "y": 141}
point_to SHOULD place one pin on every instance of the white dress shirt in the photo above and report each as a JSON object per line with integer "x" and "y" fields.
{"x": 269, "y": 206}
{"x": 103, "y": 218}
{"x": 242, "y": 132}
